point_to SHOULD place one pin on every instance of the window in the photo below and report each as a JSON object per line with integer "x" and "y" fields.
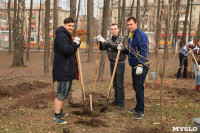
{"x": 194, "y": 8}
{"x": 193, "y": 15}
{"x": 193, "y": 22}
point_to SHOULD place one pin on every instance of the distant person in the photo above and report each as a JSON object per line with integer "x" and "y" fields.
{"x": 183, "y": 60}
{"x": 137, "y": 52}
{"x": 64, "y": 65}
{"x": 111, "y": 46}
{"x": 196, "y": 52}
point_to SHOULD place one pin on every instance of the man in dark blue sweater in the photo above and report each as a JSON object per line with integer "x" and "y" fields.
{"x": 64, "y": 65}
{"x": 137, "y": 56}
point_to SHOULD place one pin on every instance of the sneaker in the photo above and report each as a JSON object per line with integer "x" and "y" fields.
{"x": 114, "y": 103}
{"x": 63, "y": 114}
{"x": 120, "y": 107}
{"x": 58, "y": 120}
{"x": 139, "y": 116}
{"x": 132, "y": 111}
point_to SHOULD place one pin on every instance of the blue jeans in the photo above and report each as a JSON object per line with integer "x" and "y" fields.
{"x": 197, "y": 74}
{"x": 63, "y": 89}
{"x": 118, "y": 82}
{"x": 138, "y": 85}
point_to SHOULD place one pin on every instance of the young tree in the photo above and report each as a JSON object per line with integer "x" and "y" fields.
{"x": 77, "y": 16}
{"x": 14, "y": 20}
{"x": 119, "y": 15}
{"x": 190, "y": 20}
{"x": 73, "y": 9}
{"x": 90, "y": 29}
{"x": 183, "y": 39}
{"x": 29, "y": 32}
{"x": 18, "y": 57}
{"x": 9, "y": 22}
{"x": 123, "y": 16}
{"x": 47, "y": 41}
{"x": 131, "y": 12}
{"x": 39, "y": 17}
{"x": 138, "y": 13}
{"x": 104, "y": 34}
{"x": 144, "y": 12}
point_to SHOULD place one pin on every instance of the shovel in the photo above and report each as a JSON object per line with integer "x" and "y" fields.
{"x": 81, "y": 76}
{"x": 111, "y": 82}
{"x": 195, "y": 61}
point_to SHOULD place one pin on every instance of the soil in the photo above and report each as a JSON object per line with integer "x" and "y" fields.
{"x": 26, "y": 96}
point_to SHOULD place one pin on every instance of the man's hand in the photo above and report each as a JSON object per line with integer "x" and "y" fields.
{"x": 78, "y": 41}
{"x": 120, "y": 47}
{"x": 139, "y": 70}
{"x": 100, "y": 38}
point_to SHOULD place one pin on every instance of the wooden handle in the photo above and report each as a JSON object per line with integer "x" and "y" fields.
{"x": 81, "y": 76}
{"x": 195, "y": 61}
{"x": 113, "y": 74}
{"x": 96, "y": 71}
{"x": 91, "y": 102}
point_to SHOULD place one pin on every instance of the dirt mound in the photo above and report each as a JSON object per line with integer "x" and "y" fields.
{"x": 92, "y": 123}
{"x": 189, "y": 75}
{"x": 39, "y": 101}
{"x": 21, "y": 89}
{"x": 85, "y": 113}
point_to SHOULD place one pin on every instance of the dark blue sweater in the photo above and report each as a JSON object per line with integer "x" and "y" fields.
{"x": 64, "y": 64}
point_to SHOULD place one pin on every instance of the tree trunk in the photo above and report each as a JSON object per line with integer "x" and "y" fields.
{"x": 190, "y": 21}
{"x": 76, "y": 23}
{"x": 9, "y": 22}
{"x": 183, "y": 39}
{"x": 123, "y": 16}
{"x": 29, "y": 32}
{"x": 198, "y": 30}
{"x": 138, "y": 13}
{"x": 144, "y": 12}
{"x": 177, "y": 22}
{"x": 47, "y": 42}
{"x": 73, "y": 9}
{"x": 38, "y": 39}
{"x": 14, "y": 21}
{"x": 131, "y": 12}
{"x": 18, "y": 57}
{"x": 55, "y": 26}
{"x": 90, "y": 29}
{"x": 119, "y": 15}
{"x": 104, "y": 34}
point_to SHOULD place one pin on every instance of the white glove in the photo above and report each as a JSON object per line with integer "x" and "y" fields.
{"x": 139, "y": 70}
{"x": 120, "y": 47}
{"x": 77, "y": 40}
{"x": 100, "y": 38}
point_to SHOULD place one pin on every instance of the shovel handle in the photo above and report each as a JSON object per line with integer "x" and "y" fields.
{"x": 81, "y": 76}
{"x": 113, "y": 74}
{"x": 195, "y": 61}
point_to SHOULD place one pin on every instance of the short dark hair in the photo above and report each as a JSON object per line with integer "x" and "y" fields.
{"x": 114, "y": 24}
{"x": 69, "y": 20}
{"x": 131, "y": 18}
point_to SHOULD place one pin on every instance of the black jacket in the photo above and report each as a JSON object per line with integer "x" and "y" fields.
{"x": 64, "y": 64}
{"x": 111, "y": 47}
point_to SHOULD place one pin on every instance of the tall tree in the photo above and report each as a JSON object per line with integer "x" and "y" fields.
{"x": 104, "y": 34}
{"x": 119, "y": 15}
{"x": 190, "y": 20}
{"x": 47, "y": 41}
{"x": 90, "y": 29}
{"x": 18, "y": 57}
{"x": 14, "y": 20}
{"x": 123, "y": 16}
{"x": 9, "y": 22}
{"x": 144, "y": 13}
{"x": 138, "y": 13}
{"x": 73, "y": 9}
{"x": 198, "y": 30}
{"x": 132, "y": 5}
{"x": 29, "y": 32}
{"x": 39, "y": 17}
{"x": 55, "y": 25}
{"x": 183, "y": 39}
{"x": 77, "y": 16}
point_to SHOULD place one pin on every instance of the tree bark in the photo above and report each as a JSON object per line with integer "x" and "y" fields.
{"x": 90, "y": 29}
{"x": 123, "y": 16}
{"x": 18, "y": 57}
{"x": 77, "y": 17}
{"x": 39, "y": 17}
{"x": 55, "y": 26}
{"x": 9, "y": 22}
{"x": 145, "y": 9}
{"x": 14, "y": 21}
{"x": 29, "y": 32}
{"x": 104, "y": 34}
{"x": 138, "y": 13}
{"x": 73, "y": 9}
{"x": 183, "y": 39}
{"x": 132, "y": 5}
{"x": 198, "y": 30}
{"x": 47, "y": 42}
{"x": 190, "y": 21}
{"x": 119, "y": 15}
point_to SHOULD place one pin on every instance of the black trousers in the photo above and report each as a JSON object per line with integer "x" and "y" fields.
{"x": 183, "y": 61}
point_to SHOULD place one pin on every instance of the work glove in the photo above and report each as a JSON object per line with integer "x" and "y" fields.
{"x": 77, "y": 40}
{"x": 120, "y": 47}
{"x": 100, "y": 38}
{"x": 139, "y": 70}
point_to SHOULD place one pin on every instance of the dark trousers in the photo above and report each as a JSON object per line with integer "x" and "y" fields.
{"x": 118, "y": 82}
{"x": 138, "y": 85}
{"x": 183, "y": 61}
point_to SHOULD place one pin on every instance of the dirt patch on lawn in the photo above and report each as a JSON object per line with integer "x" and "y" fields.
{"x": 92, "y": 123}
{"x": 39, "y": 101}
{"x": 86, "y": 113}
{"x": 21, "y": 89}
